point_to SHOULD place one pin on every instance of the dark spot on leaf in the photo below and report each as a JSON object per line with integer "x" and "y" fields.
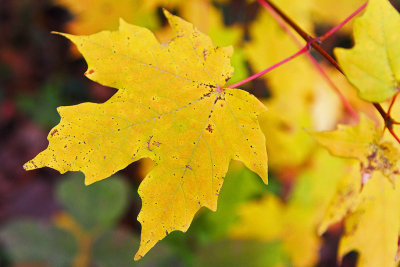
{"x": 209, "y": 128}
{"x": 54, "y": 132}
{"x": 205, "y": 54}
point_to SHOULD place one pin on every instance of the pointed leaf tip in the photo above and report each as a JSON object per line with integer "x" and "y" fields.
{"x": 139, "y": 121}
{"x": 372, "y": 65}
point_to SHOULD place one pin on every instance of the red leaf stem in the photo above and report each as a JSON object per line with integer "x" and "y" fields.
{"x": 340, "y": 25}
{"x": 305, "y": 49}
{"x": 314, "y": 43}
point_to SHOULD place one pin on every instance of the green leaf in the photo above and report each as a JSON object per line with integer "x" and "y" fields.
{"x": 28, "y": 241}
{"x": 94, "y": 207}
{"x": 241, "y": 253}
{"x": 114, "y": 248}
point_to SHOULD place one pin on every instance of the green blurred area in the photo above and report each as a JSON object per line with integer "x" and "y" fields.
{"x": 96, "y": 211}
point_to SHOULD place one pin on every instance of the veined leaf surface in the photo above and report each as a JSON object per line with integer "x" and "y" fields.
{"x": 171, "y": 107}
{"x": 373, "y": 64}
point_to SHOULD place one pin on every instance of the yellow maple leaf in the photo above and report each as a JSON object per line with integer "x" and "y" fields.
{"x": 373, "y": 228}
{"x": 345, "y": 199}
{"x": 367, "y": 201}
{"x": 195, "y": 11}
{"x": 170, "y": 107}
{"x": 373, "y": 64}
{"x": 362, "y": 142}
{"x": 371, "y": 218}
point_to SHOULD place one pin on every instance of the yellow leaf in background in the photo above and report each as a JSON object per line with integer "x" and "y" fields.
{"x": 286, "y": 138}
{"x": 368, "y": 196}
{"x": 259, "y": 220}
{"x": 270, "y": 44}
{"x": 350, "y": 141}
{"x": 170, "y": 107}
{"x": 295, "y": 223}
{"x": 373, "y": 64}
{"x": 92, "y": 16}
{"x": 177, "y": 4}
{"x": 152, "y": 4}
{"x": 349, "y": 93}
{"x": 290, "y": 89}
{"x": 362, "y": 142}
{"x": 373, "y": 229}
{"x": 297, "y": 90}
{"x": 300, "y": 101}
{"x": 298, "y": 11}
{"x": 345, "y": 200}
{"x": 322, "y": 11}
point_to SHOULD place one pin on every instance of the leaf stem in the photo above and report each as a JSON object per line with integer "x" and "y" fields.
{"x": 394, "y": 135}
{"x": 305, "y": 49}
{"x": 392, "y": 103}
{"x": 320, "y": 70}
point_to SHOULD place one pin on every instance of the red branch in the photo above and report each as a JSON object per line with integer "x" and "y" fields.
{"x": 314, "y": 42}
{"x": 282, "y": 24}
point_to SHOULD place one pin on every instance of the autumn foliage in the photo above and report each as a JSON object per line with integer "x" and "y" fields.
{"x": 328, "y": 124}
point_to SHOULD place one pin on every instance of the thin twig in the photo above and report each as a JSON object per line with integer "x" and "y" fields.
{"x": 320, "y": 70}
{"x": 298, "y": 53}
{"x": 314, "y": 43}
{"x": 302, "y": 33}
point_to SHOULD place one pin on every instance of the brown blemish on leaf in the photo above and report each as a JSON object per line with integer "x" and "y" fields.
{"x": 154, "y": 143}
{"x": 205, "y": 54}
{"x": 378, "y": 160}
{"x": 209, "y": 128}
{"x": 33, "y": 163}
{"x": 54, "y": 132}
{"x": 89, "y": 72}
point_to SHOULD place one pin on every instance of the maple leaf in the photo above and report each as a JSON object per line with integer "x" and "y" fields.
{"x": 371, "y": 218}
{"x": 195, "y": 11}
{"x": 170, "y": 107}
{"x": 373, "y": 228}
{"x": 362, "y": 142}
{"x": 373, "y": 64}
{"x": 368, "y": 200}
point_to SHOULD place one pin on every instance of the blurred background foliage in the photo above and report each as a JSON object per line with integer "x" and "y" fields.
{"x": 47, "y": 219}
